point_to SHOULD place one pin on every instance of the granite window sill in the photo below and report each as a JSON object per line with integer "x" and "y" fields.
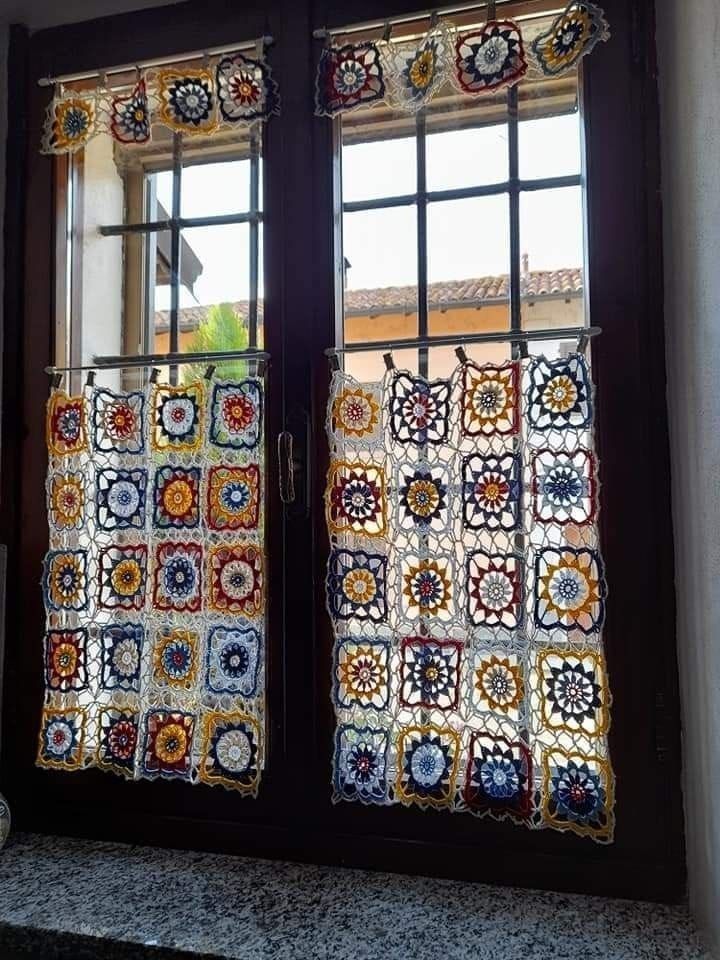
{"x": 68, "y": 898}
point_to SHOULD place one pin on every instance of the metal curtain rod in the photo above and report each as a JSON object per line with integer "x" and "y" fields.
{"x": 158, "y": 359}
{"x": 159, "y": 62}
{"x": 323, "y": 33}
{"x": 506, "y": 336}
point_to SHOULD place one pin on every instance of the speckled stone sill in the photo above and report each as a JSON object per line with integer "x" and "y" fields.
{"x": 63, "y": 898}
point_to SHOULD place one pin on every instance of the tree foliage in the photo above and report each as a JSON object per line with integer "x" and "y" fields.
{"x": 222, "y": 329}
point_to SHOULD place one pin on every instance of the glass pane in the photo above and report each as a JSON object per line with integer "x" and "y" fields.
{"x": 213, "y": 189}
{"x": 551, "y": 240}
{"x": 215, "y": 298}
{"x": 156, "y": 250}
{"x": 549, "y": 147}
{"x": 261, "y": 290}
{"x": 467, "y": 158}
{"x": 369, "y": 365}
{"x": 380, "y": 248}
{"x": 380, "y": 168}
{"x": 443, "y": 360}
{"x": 159, "y": 195}
{"x": 468, "y": 265}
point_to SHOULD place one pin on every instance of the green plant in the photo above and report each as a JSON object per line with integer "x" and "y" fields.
{"x": 222, "y": 329}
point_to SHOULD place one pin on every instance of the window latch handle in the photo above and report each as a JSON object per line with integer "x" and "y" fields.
{"x": 286, "y": 472}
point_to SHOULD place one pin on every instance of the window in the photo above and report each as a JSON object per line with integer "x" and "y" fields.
{"x": 465, "y": 219}
{"x": 156, "y": 506}
{"x": 420, "y": 197}
{"x": 165, "y": 244}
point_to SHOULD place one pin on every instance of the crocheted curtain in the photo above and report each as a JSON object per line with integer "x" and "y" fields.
{"x": 227, "y": 92}
{"x": 154, "y": 583}
{"x": 466, "y": 592}
{"x": 499, "y": 53}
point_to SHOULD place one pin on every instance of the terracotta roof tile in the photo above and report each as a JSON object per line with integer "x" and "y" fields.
{"x": 444, "y": 295}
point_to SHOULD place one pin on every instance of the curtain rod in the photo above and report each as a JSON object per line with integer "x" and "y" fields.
{"x": 159, "y": 62}
{"x": 582, "y": 334}
{"x": 323, "y": 33}
{"x": 156, "y": 359}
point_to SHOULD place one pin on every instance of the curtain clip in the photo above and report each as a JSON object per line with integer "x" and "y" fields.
{"x": 583, "y": 340}
{"x": 56, "y": 380}
{"x": 387, "y": 31}
{"x": 389, "y": 362}
{"x": 154, "y": 375}
{"x": 261, "y": 366}
{"x": 209, "y": 371}
{"x": 90, "y": 379}
{"x": 434, "y": 19}
{"x": 491, "y": 10}
{"x": 334, "y": 362}
{"x": 102, "y": 80}
{"x": 205, "y": 59}
{"x": 460, "y": 354}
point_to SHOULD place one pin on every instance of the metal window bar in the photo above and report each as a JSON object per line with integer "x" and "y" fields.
{"x": 254, "y": 239}
{"x": 516, "y": 9}
{"x": 513, "y": 187}
{"x": 514, "y": 199}
{"x": 176, "y": 223}
{"x": 465, "y": 193}
{"x": 161, "y": 359}
{"x": 247, "y": 45}
{"x": 182, "y": 223}
{"x": 174, "y": 338}
{"x": 422, "y": 246}
{"x": 581, "y": 334}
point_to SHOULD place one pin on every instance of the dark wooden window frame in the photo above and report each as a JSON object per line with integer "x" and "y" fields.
{"x": 293, "y": 818}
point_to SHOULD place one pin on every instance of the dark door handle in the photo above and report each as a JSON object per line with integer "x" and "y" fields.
{"x": 286, "y": 467}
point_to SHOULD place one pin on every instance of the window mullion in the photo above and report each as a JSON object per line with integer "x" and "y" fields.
{"x": 422, "y": 240}
{"x": 175, "y": 252}
{"x": 514, "y": 189}
{"x": 150, "y": 269}
{"x": 254, "y": 240}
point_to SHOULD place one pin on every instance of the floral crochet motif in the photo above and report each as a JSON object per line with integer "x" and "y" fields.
{"x": 466, "y": 592}
{"x": 153, "y": 651}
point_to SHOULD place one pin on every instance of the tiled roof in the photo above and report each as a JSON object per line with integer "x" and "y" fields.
{"x": 441, "y": 296}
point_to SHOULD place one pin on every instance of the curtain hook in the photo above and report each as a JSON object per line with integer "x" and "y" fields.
{"x": 460, "y": 354}
{"x": 389, "y": 362}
